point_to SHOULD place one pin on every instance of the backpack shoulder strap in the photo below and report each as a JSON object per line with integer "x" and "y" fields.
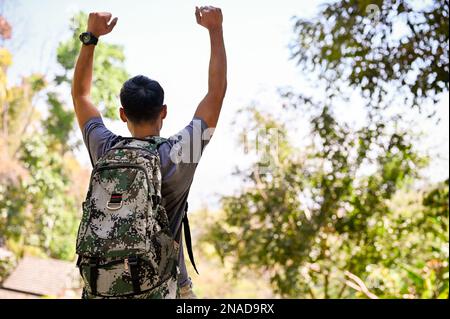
{"x": 154, "y": 143}
{"x": 159, "y": 140}
{"x": 187, "y": 238}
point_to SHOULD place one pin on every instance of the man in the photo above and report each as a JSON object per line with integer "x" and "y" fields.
{"x": 143, "y": 110}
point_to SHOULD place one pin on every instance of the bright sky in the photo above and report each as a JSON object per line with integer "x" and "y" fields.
{"x": 163, "y": 41}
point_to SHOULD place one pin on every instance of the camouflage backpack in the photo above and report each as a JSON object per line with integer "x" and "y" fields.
{"x": 124, "y": 245}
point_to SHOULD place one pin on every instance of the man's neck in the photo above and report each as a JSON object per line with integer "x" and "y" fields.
{"x": 144, "y": 131}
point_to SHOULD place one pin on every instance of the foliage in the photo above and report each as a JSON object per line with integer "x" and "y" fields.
{"x": 41, "y": 208}
{"x": 59, "y": 123}
{"x": 41, "y": 183}
{"x": 34, "y": 206}
{"x": 7, "y": 263}
{"x": 379, "y": 48}
{"x": 342, "y": 217}
{"x": 325, "y": 212}
{"x": 216, "y": 280}
{"x": 108, "y": 64}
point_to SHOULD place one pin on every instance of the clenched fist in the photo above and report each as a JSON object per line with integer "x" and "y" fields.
{"x": 100, "y": 23}
{"x": 209, "y": 17}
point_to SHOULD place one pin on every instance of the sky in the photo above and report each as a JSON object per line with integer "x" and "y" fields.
{"x": 163, "y": 41}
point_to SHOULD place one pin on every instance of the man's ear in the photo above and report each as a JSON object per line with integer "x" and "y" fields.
{"x": 164, "y": 112}
{"x": 123, "y": 116}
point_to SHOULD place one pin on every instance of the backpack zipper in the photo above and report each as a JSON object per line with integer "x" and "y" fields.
{"x": 153, "y": 152}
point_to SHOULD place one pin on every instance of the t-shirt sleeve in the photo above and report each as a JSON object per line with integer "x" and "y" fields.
{"x": 97, "y": 138}
{"x": 181, "y": 154}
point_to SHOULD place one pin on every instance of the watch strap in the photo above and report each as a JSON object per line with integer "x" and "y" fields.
{"x": 93, "y": 40}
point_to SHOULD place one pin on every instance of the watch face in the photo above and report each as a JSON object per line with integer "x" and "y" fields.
{"x": 86, "y": 38}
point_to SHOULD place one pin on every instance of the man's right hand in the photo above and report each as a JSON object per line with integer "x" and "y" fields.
{"x": 209, "y": 17}
{"x": 100, "y": 23}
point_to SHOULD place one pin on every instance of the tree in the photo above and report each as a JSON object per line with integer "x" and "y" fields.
{"x": 379, "y": 48}
{"x": 317, "y": 221}
{"x": 342, "y": 217}
{"x": 34, "y": 178}
{"x": 41, "y": 183}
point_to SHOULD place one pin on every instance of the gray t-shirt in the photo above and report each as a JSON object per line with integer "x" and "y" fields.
{"x": 179, "y": 159}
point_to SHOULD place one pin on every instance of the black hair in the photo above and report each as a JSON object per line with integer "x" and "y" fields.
{"x": 142, "y": 99}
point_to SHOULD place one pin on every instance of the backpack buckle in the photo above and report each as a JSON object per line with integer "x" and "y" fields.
{"x": 156, "y": 200}
{"x": 93, "y": 262}
{"x": 130, "y": 261}
{"x": 131, "y": 264}
{"x": 115, "y": 202}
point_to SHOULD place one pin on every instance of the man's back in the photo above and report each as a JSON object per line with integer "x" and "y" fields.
{"x": 178, "y": 165}
{"x": 176, "y": 176}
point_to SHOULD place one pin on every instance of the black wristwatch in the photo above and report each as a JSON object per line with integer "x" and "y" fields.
{"x": 87, "y": 38}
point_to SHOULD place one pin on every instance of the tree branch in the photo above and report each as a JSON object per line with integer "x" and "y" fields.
{"x": 359, "y": 285}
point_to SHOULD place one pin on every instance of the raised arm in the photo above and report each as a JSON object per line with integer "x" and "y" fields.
{"x": 99, "y": 24}
{"x": 209, "y": 108}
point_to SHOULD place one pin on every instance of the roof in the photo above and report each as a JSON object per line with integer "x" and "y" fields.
{"x": 9, "y": 294}
{"x": 40, "y": 277}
